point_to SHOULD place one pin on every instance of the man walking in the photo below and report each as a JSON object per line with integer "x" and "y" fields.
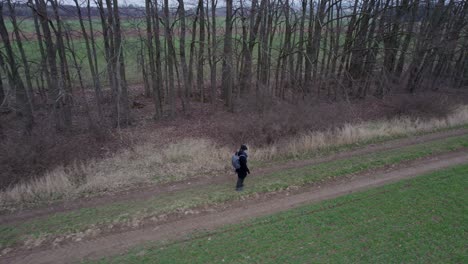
{"x": 243, "y": 169}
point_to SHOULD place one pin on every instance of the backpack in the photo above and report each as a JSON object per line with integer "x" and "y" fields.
{"x": 235, "y": 161}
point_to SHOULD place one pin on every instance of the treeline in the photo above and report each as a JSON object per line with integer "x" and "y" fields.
{"x": 265, "y": 49}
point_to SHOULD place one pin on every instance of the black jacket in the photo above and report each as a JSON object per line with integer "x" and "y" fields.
{"x": 243, "y": 170}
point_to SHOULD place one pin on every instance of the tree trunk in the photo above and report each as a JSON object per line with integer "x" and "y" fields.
{"x": 170, "y": 59}
{"x": 55, "y": 100}
{"x": 91, "y": 62}
{"x": 347, "y": 48}
{"x": 78, "y": 67}
{"x": 227, "y": 62}
{"x": 23, "y": 105}
{"x": 159, "y": 76}
{"x": 248, "y": 45}
{"x": 301, "y": 52}
{"x": 392, "y": 38}
{"x": 373, "y": 49}
{"x": 19, "y": 43}
{"x": 64, "y": 80}
{"x": 317, "y": 40}
{"x": 444, "y": 65}
{"x": 94, "y": 75}
{"x": 120, "y": 65}
{"x": 336, "y": 49}
{"x": 213, "y": 61}
{"x": 93, "y": 46}
{"x": 44, "y": 70}
{"x": 192, "y": 47}
{"x": 285, "y": 80}
{"x": 151, "y": 58}
{"x": 430, "y": 28}
{"x": 183, "y": 60}
{"x": 407, "y": 39}
{"x": 201, "y": 51}
{"x": 263, "y": 53}
{"x": 144, "y": 69}
{"x": 359, "y": 50}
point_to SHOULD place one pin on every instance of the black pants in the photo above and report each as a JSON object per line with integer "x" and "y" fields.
{"x": 240, "y": 179}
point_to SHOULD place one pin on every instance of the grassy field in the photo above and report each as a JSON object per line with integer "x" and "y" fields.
{"x": 132, "y": 45}
{"x": 423, "y": 220}
{"x": 26, "y": 25}
{"x": 132, "y": 213}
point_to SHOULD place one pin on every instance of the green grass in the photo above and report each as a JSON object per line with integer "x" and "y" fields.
{"x": 423, "y": 220}
{"x": 131, "y": 44}
{"x": 125, "y": 212}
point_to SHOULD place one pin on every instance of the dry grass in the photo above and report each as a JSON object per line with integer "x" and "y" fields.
{"x": 148, "y": 163}
{"x": 353, "y": 133}
{"x": 193, "y": 157}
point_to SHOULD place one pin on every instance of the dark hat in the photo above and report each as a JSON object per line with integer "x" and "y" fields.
{"x": 243, "y": 147}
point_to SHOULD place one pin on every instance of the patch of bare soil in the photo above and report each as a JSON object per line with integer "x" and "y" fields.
{"x": 236, "y": 212}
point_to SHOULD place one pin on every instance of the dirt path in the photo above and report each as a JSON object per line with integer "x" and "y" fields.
{"x": 154, "y": 190}
{"x": 119, "y": 243}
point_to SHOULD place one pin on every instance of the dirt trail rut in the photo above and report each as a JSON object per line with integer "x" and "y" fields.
{"x": 119, "y": 243}
{"x": 154, "y": 190}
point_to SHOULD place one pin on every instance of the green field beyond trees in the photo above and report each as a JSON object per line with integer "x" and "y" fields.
{"x": 423, "y": 220}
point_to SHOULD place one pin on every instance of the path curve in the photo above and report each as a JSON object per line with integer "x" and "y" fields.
{"x": 118, "y": 243}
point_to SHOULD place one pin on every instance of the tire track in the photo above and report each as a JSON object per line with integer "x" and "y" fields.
{"x": 156, "y": 190}
{"x": 121, "y": 242}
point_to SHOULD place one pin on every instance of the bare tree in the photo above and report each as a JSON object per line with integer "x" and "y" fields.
{"x": 407, "y": 39}
{"x": 91, "y": 62}
{"x": 113, "y": 46}
{"x": 24, "y": 60}
{"x": 55, "y": 100}
{"x": 201, "y": 50}
{"x": 170, "y": 59}
{"x": 183, "y": 60}
{"x": 23, "y": 105}
{"x": 44, "y": 71}
{"x": 227, "y": 58}
{"x": 291, "y": 50}
{"x": 71, "y": 49}
{"x": 213, "y": 49}
{"x": 151, "y": 57}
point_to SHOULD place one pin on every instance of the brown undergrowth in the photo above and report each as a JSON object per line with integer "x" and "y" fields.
{"x": 170, "y": 152}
